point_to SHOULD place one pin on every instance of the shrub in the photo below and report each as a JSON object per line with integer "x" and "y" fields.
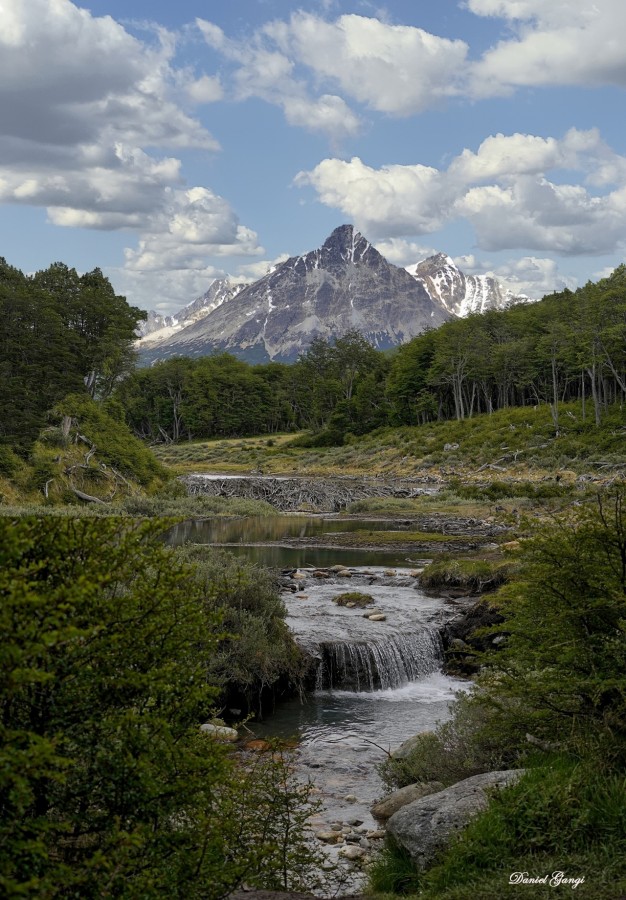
{"x": 107, "y": 785}
{"x": 464, "y": 745}
{"x": 563, "y": 666}
{"x": 114, "y": 441}
{"x": 9, "y": 462}
{"x": 258, "y": 657}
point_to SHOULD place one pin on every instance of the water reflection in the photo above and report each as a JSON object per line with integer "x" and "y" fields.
{"x": 245, "y": 538}
{"x": 256, "y": 529}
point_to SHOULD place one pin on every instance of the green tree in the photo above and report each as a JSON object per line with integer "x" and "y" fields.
{"x": 107, "y": 785}
{"x": 562, "y": 674}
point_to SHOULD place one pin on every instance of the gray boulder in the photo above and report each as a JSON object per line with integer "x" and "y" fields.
{"x": 219, "y": 732}
{"x": 389, "y": 805}
{"x": 405, "y": 749}
{"x": 426, "y": 826}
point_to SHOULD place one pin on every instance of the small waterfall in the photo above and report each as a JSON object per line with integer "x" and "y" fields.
{"x": 378, "y": 664}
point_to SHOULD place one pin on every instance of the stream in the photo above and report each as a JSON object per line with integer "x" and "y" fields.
{"x": 379, "y": 682}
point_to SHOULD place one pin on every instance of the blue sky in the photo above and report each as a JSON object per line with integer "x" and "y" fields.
{"x": 170, "y": 144}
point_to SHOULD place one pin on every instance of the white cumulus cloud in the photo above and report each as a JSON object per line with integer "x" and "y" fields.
{"x": 560, "y": 42}
{"x": 504, "y": 190}
{"x": 86, "y": 111}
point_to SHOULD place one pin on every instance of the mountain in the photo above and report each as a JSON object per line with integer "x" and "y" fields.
{"x": 461, "y": 294}
{"x": 344, "y": 285}
{"x": 158, "y": 329}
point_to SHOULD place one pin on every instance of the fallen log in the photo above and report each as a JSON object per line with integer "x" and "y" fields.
{"x": 87, "y": 497}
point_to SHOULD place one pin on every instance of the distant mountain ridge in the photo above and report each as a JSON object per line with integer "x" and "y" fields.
{"x": 158, "y": 328}
{"x": 462, "y": 294}
{"x": 344, "y": 285}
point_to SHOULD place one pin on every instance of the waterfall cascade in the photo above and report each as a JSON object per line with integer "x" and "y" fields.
{"x": 378, "y": 664}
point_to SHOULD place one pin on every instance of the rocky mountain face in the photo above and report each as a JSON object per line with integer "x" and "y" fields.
{"x": 344, "y": 285}
{"x": 158, "y": 329}
{"x": 461, "y": 294}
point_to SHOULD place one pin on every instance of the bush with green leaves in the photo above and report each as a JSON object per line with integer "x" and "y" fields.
{"x": 115, "y": 444}
{"x": 464, "y": 745}
{"x": 107, "y": 785}
{"x": 257, "y": 659}
{"x": 562, "y": 672}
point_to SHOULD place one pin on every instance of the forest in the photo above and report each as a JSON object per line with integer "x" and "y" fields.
{"x": 569, "y": 346}
{"x": 62, "y": 334}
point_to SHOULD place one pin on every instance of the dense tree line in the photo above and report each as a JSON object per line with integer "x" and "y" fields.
{"x": 59, "y": 333}
{"x": 62, "y": 333}
{"x": 569, "y": 346}
{"x": 340, "y": 383}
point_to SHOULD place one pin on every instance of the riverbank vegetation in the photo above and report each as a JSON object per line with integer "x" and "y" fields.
{"x": 550, "y": 699}
{"x": 112, "y": 653}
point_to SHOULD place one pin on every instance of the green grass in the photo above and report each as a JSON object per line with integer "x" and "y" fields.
{"x": 474, "y": 575}
{"x": 563, "y": 816}
{"x": 521, "y": 442}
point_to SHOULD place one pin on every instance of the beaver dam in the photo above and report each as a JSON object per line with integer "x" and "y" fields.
{"x": 289, "y": 494}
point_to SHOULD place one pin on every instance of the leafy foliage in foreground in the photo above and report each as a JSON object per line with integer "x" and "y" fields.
{"x": 107, "y": 785}
{"x": 563, "y": 669}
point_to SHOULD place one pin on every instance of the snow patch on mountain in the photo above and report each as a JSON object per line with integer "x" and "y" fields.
{"x": 462, "y": 294}
{"x": 158, "y": 329}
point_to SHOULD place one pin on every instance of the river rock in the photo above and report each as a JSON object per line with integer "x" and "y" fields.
{"x": 372, "y": 612}
{"x": 352, "y": 852}
{"x": 406, "y": 748}
{"x": 389, "y": 805}
{"x": 344, "y": 573}
{"x": 337, "y": 568}
{"x": 390, "y": 573}
{"x": 425, "y": 827}
{"x": 219, "y": 732}
{"x": 258, "y": 746}
{"x": 329, "y": 837}
{"x": 378, "y": 617}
